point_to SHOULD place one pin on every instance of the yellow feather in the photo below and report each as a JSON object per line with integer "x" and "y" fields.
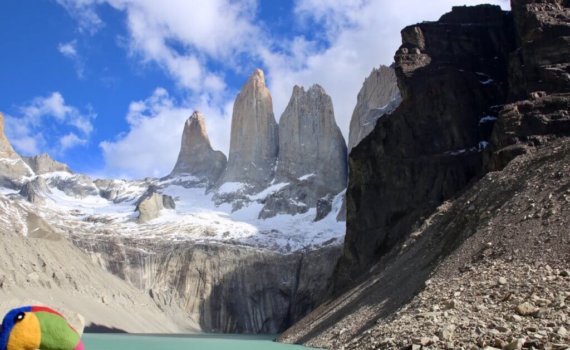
{"x": 26, "y": 334}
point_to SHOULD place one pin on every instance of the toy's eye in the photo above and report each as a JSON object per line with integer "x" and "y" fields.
{"x": 19, "y": 317}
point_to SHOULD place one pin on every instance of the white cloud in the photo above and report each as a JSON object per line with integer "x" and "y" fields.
{"x": 27, "y": 130}
{"x": 71, "y": 140}
{"x": 85, "y": 13}
{"x": 69, "y": 50}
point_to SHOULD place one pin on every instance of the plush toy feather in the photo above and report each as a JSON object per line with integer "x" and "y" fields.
{"x": 37, "y": 327}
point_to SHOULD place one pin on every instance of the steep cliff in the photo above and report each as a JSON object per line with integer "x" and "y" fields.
{"x": 425, "y": 215}
{"x": 254, "y": 139}
{"x": 378, "y": 96}
{"x": 312, "y": 154}
{"x": 223, "y": 287}
{"x": 451, "y": 74}
{"x": 197, "y": 158}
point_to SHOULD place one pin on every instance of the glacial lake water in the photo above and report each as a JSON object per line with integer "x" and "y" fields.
{"x": 182, "y": 342}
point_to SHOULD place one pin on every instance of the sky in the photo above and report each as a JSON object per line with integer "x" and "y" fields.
{"x": 106, "y": 85}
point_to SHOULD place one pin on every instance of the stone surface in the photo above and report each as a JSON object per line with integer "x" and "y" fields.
{"x": 311, "y": 143}
{"x": 312, "y": 154}
{"x": 44, "y": 164}
{"x": 197, "y": 157}
{"x": 378, "y": 96}
{"x": 432, "y": 145}
{"x": 254, "y": 140}
{"x": 224, "y": 288}
{"x": 459, "y": 253}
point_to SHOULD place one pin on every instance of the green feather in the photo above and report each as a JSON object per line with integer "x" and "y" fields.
{"x": 56, "y": 333}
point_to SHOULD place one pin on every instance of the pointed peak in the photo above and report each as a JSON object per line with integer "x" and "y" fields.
{"x": 298, "y": 90}
{"x": 317, "y": 88}
{"x": 257, "y": 77}
{"x": 196, "y": 116}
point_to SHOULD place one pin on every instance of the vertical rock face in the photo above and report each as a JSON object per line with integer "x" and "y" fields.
{"x": 539, "y": 78}
{"x": 197, "y": 157}
{"x": 254, "y": 137}
{"x": 379, "y": 95}
{"x": 451, "y": 74}
{"x": 44, "y": 164}
{"x": 310, "y": 142}
{"x": 312, "y": 155}
{"x": 223, "y": 288}
{"x": 12, "y": 167}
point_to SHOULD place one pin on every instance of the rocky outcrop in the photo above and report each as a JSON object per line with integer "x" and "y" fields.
{"x": 12, "y": 167}
{"x": 224, "y": 288}
{"x": 34, "y": 191}
{"x": 431, "y": 146}
{"x": 539, "y": 79}
{"x": 312, "y": 154}
{"x": 197, "y": 157}
{"x": 151, "y": 203}
{"x": 44, "y": 164}
{"x": 254, "y": 140}
{"x": 378, "y": 96}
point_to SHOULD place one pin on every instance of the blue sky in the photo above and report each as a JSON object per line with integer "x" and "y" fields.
{"x": 105, "y": 85}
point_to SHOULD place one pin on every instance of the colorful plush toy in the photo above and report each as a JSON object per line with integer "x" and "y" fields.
{"x": 37, "y": 327}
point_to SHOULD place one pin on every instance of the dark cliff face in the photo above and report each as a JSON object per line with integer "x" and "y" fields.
{"x": 451, "y": 74}
{"x": 539, "y": 81}
{"x": 480, "y": 87}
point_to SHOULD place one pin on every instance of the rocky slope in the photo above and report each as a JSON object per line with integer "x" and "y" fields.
{"x": 422, "y": 212}
{"x": 39, "y": 265}
{"x": 254, "y": 139}
{"x": 378, "y": 96}
{"x": 312, "y": 154}
{"x": 197, "y": 157}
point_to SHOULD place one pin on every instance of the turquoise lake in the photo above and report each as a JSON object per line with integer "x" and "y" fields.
{"x": 190, "y": 342}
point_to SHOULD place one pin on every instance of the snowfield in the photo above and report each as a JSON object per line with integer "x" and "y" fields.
{"x": 196, "y": 218}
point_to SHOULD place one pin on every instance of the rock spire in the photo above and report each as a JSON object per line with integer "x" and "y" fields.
{"x": 254, "y": 135}
{"x": 197, "y": 157}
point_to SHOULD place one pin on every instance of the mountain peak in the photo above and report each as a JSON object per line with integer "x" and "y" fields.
{"x": 197, "y": 157}
{"x": 254, "y": 135}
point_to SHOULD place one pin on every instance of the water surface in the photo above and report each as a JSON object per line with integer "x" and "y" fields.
{"x": 190, "y": 342}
